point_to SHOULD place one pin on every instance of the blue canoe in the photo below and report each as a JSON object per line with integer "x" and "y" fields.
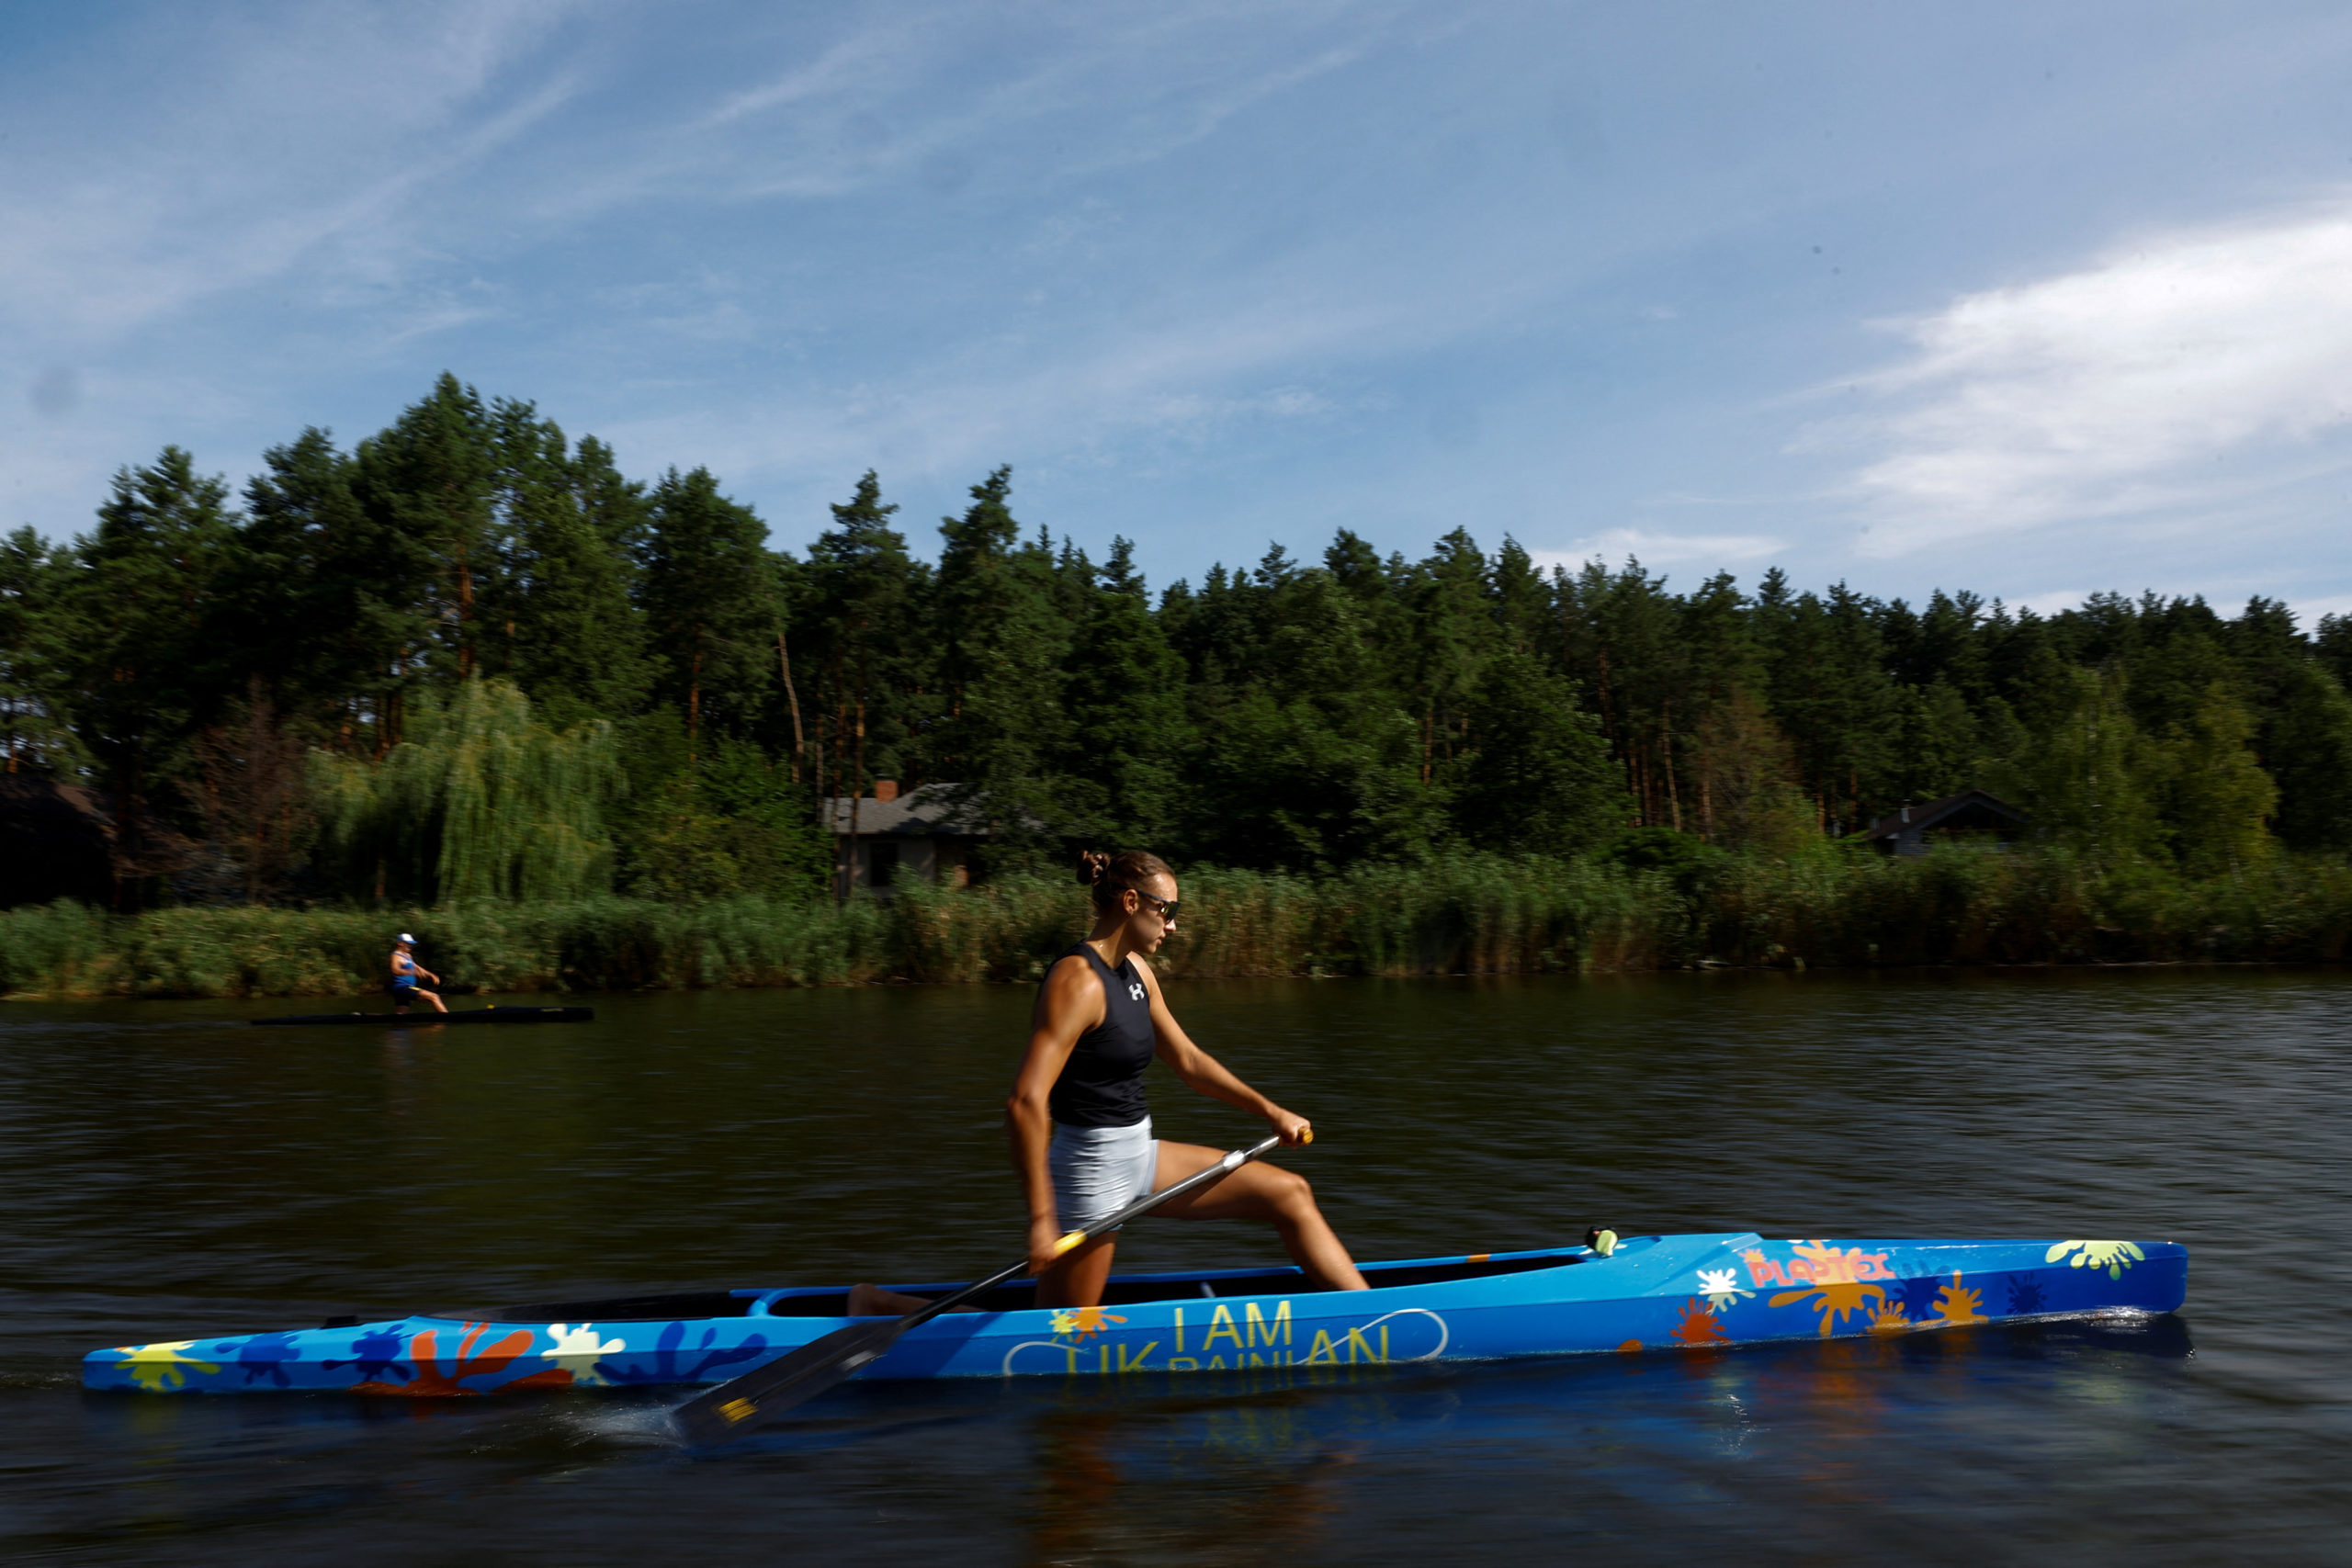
{"x": 1653, "y": 1292}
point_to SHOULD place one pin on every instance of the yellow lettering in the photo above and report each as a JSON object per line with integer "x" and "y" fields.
{"x": 1255, "y": 1360}
{"x": 1356, "y": 1342}
{"x": 1106, "y": 1359}
{"x": 1321, "y": 1350}
{"x": 1071, "y": 1350}
{"x": 1182, "y": 1364}
{"x": 1216, "y": 1363}
{"x": 1136, "y": 1365}
{"x": 1180, "y": 1328}
{"x": 1259, "y": 1327}
{"x": 1221, "y": 1327}
{"x": 1384, "y": 1342}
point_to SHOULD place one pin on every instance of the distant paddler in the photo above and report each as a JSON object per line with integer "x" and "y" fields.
{"x": 405, "y": 970}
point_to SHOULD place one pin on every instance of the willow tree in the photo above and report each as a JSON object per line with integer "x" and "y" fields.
{"x": 478, "y": 802}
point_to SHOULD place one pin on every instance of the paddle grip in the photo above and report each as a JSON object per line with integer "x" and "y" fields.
{"x": 1072, "y": 1239}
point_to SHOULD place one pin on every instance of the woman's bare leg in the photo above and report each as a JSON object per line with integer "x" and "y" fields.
{"x": 1076, "y": 1280}
{"x": 1260, "y": 1191}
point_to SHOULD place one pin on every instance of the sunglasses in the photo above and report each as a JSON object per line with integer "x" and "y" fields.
{"x": 1166, "y": 908}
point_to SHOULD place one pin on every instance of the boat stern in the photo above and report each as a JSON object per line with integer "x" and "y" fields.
{"x": 443, "y": 1357}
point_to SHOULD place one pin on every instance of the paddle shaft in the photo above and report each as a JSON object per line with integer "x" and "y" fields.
{"x": 775, "y": 1387}
{"x": 1232, "y": 1162}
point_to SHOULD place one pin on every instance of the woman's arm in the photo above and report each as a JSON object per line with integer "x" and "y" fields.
{"x": 1070, "y": 1004}
{"x": 1206, "y": 1074}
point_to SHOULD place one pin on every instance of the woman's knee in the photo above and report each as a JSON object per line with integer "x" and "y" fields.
{"x": 1289, "y": 1191}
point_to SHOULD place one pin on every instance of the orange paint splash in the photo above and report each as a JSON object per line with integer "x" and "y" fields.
{"x": 432, "y": 1382}
{"x": 1698, "y": 1325}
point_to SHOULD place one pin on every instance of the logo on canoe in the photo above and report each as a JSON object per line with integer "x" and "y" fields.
{"x": 1083, "y": 1322}
{"x": 2112, "y": 1256}
{"x": 1255, "y": 1339}
{"x": 1816, "y": 1263}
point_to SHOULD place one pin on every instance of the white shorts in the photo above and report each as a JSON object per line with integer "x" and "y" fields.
{"x": 1098, "y": 1171}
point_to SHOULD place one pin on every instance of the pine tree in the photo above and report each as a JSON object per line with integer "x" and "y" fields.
{"x": 1129, "y": 735}
{"x": 1306, "y": 761}
{"x": 429, "y": 483}
{"x": 34, "y": 735}
{"x": 1003, "y": 644}
{"x": 1454, "y": 636}
{"x": 144, "y": 676}
{"x": 571, "y": 638}
{"x": 313, "y": 602}
{"x": 707, "y": 591}
{"x": 855, "y": 605}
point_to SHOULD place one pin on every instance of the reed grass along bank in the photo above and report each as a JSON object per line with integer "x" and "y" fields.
{"x": 1471, "y": 914}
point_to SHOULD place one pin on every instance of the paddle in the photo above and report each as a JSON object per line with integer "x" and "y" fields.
{"x": 764, "y": 1392}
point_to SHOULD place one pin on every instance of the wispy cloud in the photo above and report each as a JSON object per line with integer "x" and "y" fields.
{"x": 1186, "y": 382}
{"x": 2194, "y": 370}
{"x": 850, "y": 64}
{"x": 271, "y": 150}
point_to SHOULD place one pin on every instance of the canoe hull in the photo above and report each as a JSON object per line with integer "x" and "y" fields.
{"x": 422, "y": 1015}
{"x": 1656, "y": 1293}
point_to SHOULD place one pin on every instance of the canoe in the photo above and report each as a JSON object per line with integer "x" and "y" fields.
{"x": 426, "y": 1015}
{"x": 1654, "y": 1292}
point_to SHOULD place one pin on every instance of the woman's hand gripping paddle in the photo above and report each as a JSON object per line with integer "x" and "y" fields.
{"x": 762, "y": 1395}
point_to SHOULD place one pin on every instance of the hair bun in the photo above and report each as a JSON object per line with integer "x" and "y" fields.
{"x": 1091, "y": 864}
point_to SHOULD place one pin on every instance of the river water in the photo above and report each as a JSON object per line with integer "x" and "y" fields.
{"x": 168, "y": 1173}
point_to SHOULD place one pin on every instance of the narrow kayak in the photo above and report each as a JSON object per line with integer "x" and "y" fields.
{"x": 426, "y": 1015}
{"x": 1652, "y": 1292}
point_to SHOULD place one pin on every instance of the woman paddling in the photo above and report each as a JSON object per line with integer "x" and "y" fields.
{"x": 406, "y": 971}
{"x": 1081, "y": 1132}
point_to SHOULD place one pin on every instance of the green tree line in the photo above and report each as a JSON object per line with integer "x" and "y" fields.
{"x": 468, "y": 658}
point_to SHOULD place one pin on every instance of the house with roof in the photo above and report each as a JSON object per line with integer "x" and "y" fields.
{"x": 1973, "y": 817}
{"x": 883, "y": 839}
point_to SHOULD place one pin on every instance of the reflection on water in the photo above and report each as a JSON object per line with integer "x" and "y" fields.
{"x": 171, "y": 1173}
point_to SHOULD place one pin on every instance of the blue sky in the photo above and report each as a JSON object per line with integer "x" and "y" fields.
{"x": 2028, "y": 299}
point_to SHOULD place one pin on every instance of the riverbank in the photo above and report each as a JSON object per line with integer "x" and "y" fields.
{"x": 1467, "y": 915}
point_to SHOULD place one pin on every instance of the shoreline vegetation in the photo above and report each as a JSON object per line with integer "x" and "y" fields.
{"x": 587, "y": 732}
{"x": 1469, "y": 914}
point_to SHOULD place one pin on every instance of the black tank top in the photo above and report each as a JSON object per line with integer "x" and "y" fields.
{"x": 1101, "y": 1084}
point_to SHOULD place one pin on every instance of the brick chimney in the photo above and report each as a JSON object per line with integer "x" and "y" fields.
{"x": 885, "y": 791}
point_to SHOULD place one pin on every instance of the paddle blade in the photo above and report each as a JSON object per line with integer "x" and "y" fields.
{"x": 765, "y": 1392}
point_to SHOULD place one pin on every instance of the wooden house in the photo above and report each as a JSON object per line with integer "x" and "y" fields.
{"x": 882, "y": 838}
{"x": 1972, "y": 817}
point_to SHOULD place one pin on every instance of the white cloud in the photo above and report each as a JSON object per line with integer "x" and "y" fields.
{"x": 1654, "y": 550}
{"x": 2052, "y": 603}
{"x": 2192, "y": 371}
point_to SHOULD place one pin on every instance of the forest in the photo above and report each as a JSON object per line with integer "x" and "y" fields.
{"x": 467, "y": 661}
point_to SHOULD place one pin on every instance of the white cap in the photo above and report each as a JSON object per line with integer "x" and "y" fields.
{"x": 406, "y": 938}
